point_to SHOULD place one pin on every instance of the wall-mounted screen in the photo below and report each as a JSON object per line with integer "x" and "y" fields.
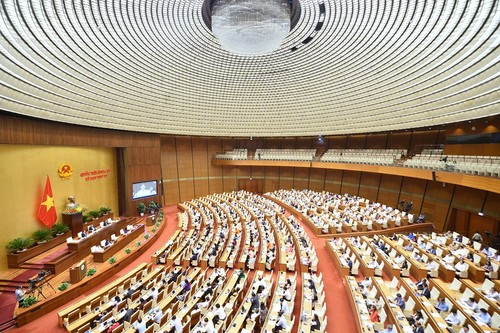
{"x": 144, "y": 189}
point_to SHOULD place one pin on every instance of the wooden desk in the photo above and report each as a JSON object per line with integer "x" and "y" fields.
{"x": 119, "y": 244}
{"x": 342, "y": 268}
{"x": 358, "y": 304}
{"x": 83, "y": 246}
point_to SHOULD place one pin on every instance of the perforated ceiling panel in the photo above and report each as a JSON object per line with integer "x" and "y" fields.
{"x": 347, "y": 67}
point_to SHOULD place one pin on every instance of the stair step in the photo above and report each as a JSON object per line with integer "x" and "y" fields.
{"x": 7, "y": 325}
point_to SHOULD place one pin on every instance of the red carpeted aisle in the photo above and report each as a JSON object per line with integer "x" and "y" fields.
{"x": 338, "y": 309}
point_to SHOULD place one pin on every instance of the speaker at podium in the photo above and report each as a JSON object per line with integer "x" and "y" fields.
{"x": 78, "y": 272}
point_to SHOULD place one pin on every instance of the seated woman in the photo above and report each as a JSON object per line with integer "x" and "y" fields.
{"x": 374, "y": 317}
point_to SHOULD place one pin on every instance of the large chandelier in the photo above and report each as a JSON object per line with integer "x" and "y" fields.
{"x": 251, "y": 27}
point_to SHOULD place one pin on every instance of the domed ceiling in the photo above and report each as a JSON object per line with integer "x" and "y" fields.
{"x": 346, "y": 67}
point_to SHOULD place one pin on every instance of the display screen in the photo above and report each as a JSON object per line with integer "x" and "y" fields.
{"x": 144, "y": 189}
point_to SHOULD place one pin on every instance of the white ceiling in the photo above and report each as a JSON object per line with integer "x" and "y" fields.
{"x": 153, "y": 66}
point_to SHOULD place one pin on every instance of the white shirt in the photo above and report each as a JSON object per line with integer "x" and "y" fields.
{"x": 177, "y": 324}
{"x": 220, "y": 313}
{"x": 141, "y": 327}
{"x": 208, "y": 328}
{"x": 460, "y": 266}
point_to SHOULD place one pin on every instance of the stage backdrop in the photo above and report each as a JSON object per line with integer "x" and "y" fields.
{"x": 23, "y": 170}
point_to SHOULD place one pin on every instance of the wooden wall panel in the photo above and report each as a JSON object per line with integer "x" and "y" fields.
{"x": 356, "y": 141}
{"x": 486, "y": 149}
{"x": 244, "y": 172}
{"x": 421, "y": 139}
{"x": 169, "y": 170}
{"x": 436, "y": 202}
{"x": 228, "y": 144}
{"x": 337, "y": 142}
{"x": 368, "y": 186}
{"x": 144, "y": 155}
{"x": 301, "y": 178}
{"x": 184, "y": 157}
{"x": 491, "y": 206}
{"x": 376, "y": 141}
{"x": 273, "y": 143}
{"x": 333, "y": 181}
{"x": 399, "y": 140}
{"x": 186, "y": 190}
{"x": 258, "y": 172}
{"x": 230, "y": 183}
{"x": 482, "y": 224}
{"x": 350, "y": 182}
{"x": 468, "y": 199}
{"x": 214, "y": 145}
{"x": 201, "y": 159}
{"x": 389, "y": 190}
{"x": 460, "y": 223}
{"x": 413, "y": 191}
{"x": 16, "y": 131}
{"x": 200, "y": 187}
{"x": 286, "y": 178}
{"x": 271, "y": 182}
{"x": 306, "y": 143}
{"x": 317, "y": 179}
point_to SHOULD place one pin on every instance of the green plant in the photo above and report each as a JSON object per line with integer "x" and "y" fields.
{"x": 157, "y": 224}
{"x": 141, "y": 208}
{"x": 91, "y": 271}
{"x": 146, "y": 236}
{"x": 127, "y": 251}
{"x": 87, "y": 218}
{"x": 105, "y": 210}
{"x": 112, "y": 260}
{"x": 42, "y": 235}
{"x": 63, "y": 286}
{"x": 28, "y": 301}
{"x": 153, "y": 230}
{"x": 60, "y": 228}
{"x": 94, "y": 213}
{"x": 138, "y": 244}
{"x": 152, "y": 207}
{"x": 20, "y": 244}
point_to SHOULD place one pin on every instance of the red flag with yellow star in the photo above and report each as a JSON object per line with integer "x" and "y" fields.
{"x": 47, "y": 212}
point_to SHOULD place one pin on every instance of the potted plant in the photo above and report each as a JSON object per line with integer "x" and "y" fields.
{"x": 127, "y": 250}
{"x": 63, "y": 286}
{"x": 20, "y": 244}
{"x": 95, "y": 214}
{"x": 105, "y": 210}
{"x": 59, "y": 229}
{"x": 112, "y": 260}
{"x": 152, "y": 207}
{"x": 42, "y": 235}
{"x": 91, "y": 271}
{"x": 28, "y": 301}
{"x": 141, "y": 208}
{"x": 87, "y": 218}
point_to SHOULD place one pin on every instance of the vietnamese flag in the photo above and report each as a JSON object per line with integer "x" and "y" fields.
{"x": 47, "y": 212}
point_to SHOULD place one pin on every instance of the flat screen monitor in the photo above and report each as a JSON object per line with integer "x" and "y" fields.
{"x": 144, "y": 189}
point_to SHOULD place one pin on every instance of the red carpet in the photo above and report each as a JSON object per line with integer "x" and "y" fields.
{"x": 338, "y": 309}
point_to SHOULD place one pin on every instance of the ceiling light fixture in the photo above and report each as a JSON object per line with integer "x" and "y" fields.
{"x": 251, "y": 27}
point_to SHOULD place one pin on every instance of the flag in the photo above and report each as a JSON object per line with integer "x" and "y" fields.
{"x": 47, "y": 212}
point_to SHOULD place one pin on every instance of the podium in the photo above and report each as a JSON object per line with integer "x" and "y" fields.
{"x": 78, "y": 272}
{"x": 74, "y": 222}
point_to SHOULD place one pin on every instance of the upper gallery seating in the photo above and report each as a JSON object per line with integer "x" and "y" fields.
{"x": 285, "y": 154}
{"x": 365, "y": 156}
{"x": 235, "y": 154}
